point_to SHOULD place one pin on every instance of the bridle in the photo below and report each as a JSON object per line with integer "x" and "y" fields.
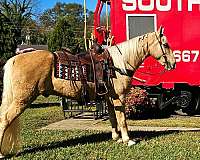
{"x": 163, "y": 47}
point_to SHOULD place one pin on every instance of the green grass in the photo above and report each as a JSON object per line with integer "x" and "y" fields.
{"x": 97, "y": 145}
{"x": 50, "y": 99}
{"x": 168, "y": 122}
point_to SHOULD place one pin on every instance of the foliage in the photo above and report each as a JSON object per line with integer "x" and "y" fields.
{"x": 90, "y": 18}
{"x": 62, "y": 36}
{"x": 71, "y": 15}
{"x": 13, "y": 15}
{"x": 37, "y": 34}
{"x": 104, "y": 19}
{"x": 17, "y": 25}
{"x": 137, "y": 103}
{"x": 8, "y": 42}
{"x": 136, "y": 96}
{"x": 72, "y": 11}
{"x": 2, "y": 63}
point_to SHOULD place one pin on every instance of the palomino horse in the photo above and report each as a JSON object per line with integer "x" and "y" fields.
{"x": 31, "y": 74}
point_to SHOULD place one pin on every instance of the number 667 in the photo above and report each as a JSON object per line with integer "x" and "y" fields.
{"x": 186, "y": 55}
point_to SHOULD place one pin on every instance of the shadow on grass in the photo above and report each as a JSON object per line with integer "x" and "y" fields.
{"x": 44, "y": 105}
{"x": 147, "y": 135}
{"x": 94, "y": 138}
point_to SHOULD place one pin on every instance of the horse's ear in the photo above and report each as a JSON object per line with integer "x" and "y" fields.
{"x": 161, "y": 31}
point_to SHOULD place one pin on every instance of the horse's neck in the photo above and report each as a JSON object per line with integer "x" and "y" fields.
{"x": 134, "y": 51}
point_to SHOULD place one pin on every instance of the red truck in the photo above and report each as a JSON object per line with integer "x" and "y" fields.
{"x": 181, "y": 19}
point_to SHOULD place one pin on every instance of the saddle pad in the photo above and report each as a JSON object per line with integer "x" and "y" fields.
{"x": 74, "y": 72}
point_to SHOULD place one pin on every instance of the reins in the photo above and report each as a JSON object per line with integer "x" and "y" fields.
{"x": 95, "y": 77}
{"x": 94, "y": 70}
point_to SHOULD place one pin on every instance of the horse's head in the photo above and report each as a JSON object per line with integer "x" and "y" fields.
{"x": 161, "y": 50}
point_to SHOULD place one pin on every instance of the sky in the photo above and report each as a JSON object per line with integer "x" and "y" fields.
{"x": 46, "y": 4}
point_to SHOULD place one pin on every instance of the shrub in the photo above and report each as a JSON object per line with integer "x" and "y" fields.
{"x": 137, "y": 103}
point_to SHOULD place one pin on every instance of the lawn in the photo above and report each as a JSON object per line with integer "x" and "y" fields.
{"x": 92, "y": 145}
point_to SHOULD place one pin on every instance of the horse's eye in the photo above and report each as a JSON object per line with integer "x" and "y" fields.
{"x": 166, "y": 45}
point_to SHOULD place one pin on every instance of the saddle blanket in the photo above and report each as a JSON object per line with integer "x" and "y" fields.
{"x": 74, "y": 72}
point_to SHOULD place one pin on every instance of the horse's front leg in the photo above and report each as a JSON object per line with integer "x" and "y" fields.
{"x": 121, "y": 120}
{"x": 113, "y": 121}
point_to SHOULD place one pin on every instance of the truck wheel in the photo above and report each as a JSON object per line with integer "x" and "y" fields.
{"x": 193, "y": 107}
{"x": 190, "y": 108}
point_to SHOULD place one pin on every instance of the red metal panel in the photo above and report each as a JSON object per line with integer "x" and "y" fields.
{"x": 181, "y": 19}
{"x": 97, "y": 16}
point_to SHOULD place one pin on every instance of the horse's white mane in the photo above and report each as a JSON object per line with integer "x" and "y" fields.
{"x": 123, "y": 53}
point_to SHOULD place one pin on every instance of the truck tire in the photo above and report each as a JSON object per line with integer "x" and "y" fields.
{"x": 191, "y": 108}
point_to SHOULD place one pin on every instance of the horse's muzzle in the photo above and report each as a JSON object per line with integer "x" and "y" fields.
{"x": 170, "y": 66}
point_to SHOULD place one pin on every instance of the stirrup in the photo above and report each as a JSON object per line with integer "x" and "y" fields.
{"x": 105, "y": 87}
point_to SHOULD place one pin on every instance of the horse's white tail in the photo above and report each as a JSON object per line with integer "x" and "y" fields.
{"x": 10, "y": 143}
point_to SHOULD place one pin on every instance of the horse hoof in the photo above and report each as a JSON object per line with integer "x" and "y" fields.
{"x": 1, "y": 156}
{"x": 120, "y": 140}
{"x": 131, "y": 142}
{"x": 115, "y": 136}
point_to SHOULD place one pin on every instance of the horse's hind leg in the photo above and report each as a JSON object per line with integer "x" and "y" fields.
{"x": 8, "y": 119}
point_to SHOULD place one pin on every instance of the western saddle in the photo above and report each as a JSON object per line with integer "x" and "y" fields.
{"x": 90, "y": 66}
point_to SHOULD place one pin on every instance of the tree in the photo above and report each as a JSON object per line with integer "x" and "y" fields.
{"x": 104, "y": 19}
{"x": 7, "y": 38}
{"x": 14, "y": 14}
{"x": 62, "y": 36}
{"x": 72, "y": 11}
{"x": 36, "y": 33}
{"x": 90, "y": 18}
{"x": 73, "y": 15}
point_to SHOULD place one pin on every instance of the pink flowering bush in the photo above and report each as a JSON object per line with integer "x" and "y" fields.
{"x": 137, "y": 102}
{"x": 136, "y": 96}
